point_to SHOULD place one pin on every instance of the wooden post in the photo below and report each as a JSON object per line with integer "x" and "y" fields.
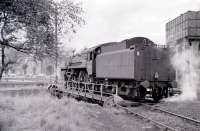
{"x": 66, "y": 85}
{"x": 72, "y": 86}
{"x": 92, "y": 90}
{"x": 116, "y": 90}
{"x": 101, "y": 91}
{"x": 56, "y": 40}
{"x": 85, "y": 88}
{"x": 78, "y": 87}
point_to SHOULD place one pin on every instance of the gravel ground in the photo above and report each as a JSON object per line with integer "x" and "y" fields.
{"x": 42, "y": 112}
{"x": 188, "y": 108}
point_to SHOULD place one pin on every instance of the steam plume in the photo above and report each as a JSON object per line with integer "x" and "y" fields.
{"x": 186, "y": 61}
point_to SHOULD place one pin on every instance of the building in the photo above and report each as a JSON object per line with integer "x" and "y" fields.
{"x": 183, "y": 33}
{"x": 28, "y": 67}
{"x": 184, "y": 29}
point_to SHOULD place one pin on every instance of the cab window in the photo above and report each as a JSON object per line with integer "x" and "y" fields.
{"x": 90, "y": 56}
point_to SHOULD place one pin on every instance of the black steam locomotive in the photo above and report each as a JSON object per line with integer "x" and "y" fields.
{"x": 137, "y": 66}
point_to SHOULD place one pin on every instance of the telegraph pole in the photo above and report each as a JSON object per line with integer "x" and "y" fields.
{"x": 56, "y": 40}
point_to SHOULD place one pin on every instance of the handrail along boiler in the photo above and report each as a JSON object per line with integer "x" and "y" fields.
{"x": 137, "y": 66}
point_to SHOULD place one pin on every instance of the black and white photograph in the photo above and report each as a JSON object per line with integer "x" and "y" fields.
{"x": 99, "y": 65}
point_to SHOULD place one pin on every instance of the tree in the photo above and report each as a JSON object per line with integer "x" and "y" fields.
{"x": 38, "y": 20}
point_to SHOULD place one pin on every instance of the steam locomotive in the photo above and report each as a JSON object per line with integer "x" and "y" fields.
{"x": 137, "y": 66}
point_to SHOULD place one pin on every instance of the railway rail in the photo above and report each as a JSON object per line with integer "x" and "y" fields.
{"x": 167, "y": 118}
{"x": 187, "y": 119}
{"x": 157, "y": 124}
{"x": 163, "y": 119}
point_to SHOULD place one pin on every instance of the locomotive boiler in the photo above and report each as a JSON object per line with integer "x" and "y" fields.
{"x": 137, "y": 66}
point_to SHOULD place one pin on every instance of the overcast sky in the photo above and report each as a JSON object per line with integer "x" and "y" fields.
{"x": 116, "y": 20}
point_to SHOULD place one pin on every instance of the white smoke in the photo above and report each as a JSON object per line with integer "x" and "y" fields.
{"x": 186, "y": 62}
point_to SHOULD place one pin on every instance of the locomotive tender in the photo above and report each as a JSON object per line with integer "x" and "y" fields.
{"x": 137, "y": 66}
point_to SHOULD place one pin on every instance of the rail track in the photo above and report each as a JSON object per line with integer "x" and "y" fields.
{"x": 163, "y": 119}
{"x": 187, "y": 119}
{"x": 157, "y": 124}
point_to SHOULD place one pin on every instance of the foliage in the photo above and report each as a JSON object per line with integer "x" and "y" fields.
{"x": 29, "y": 26}
{"x": 69, "y": 16}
